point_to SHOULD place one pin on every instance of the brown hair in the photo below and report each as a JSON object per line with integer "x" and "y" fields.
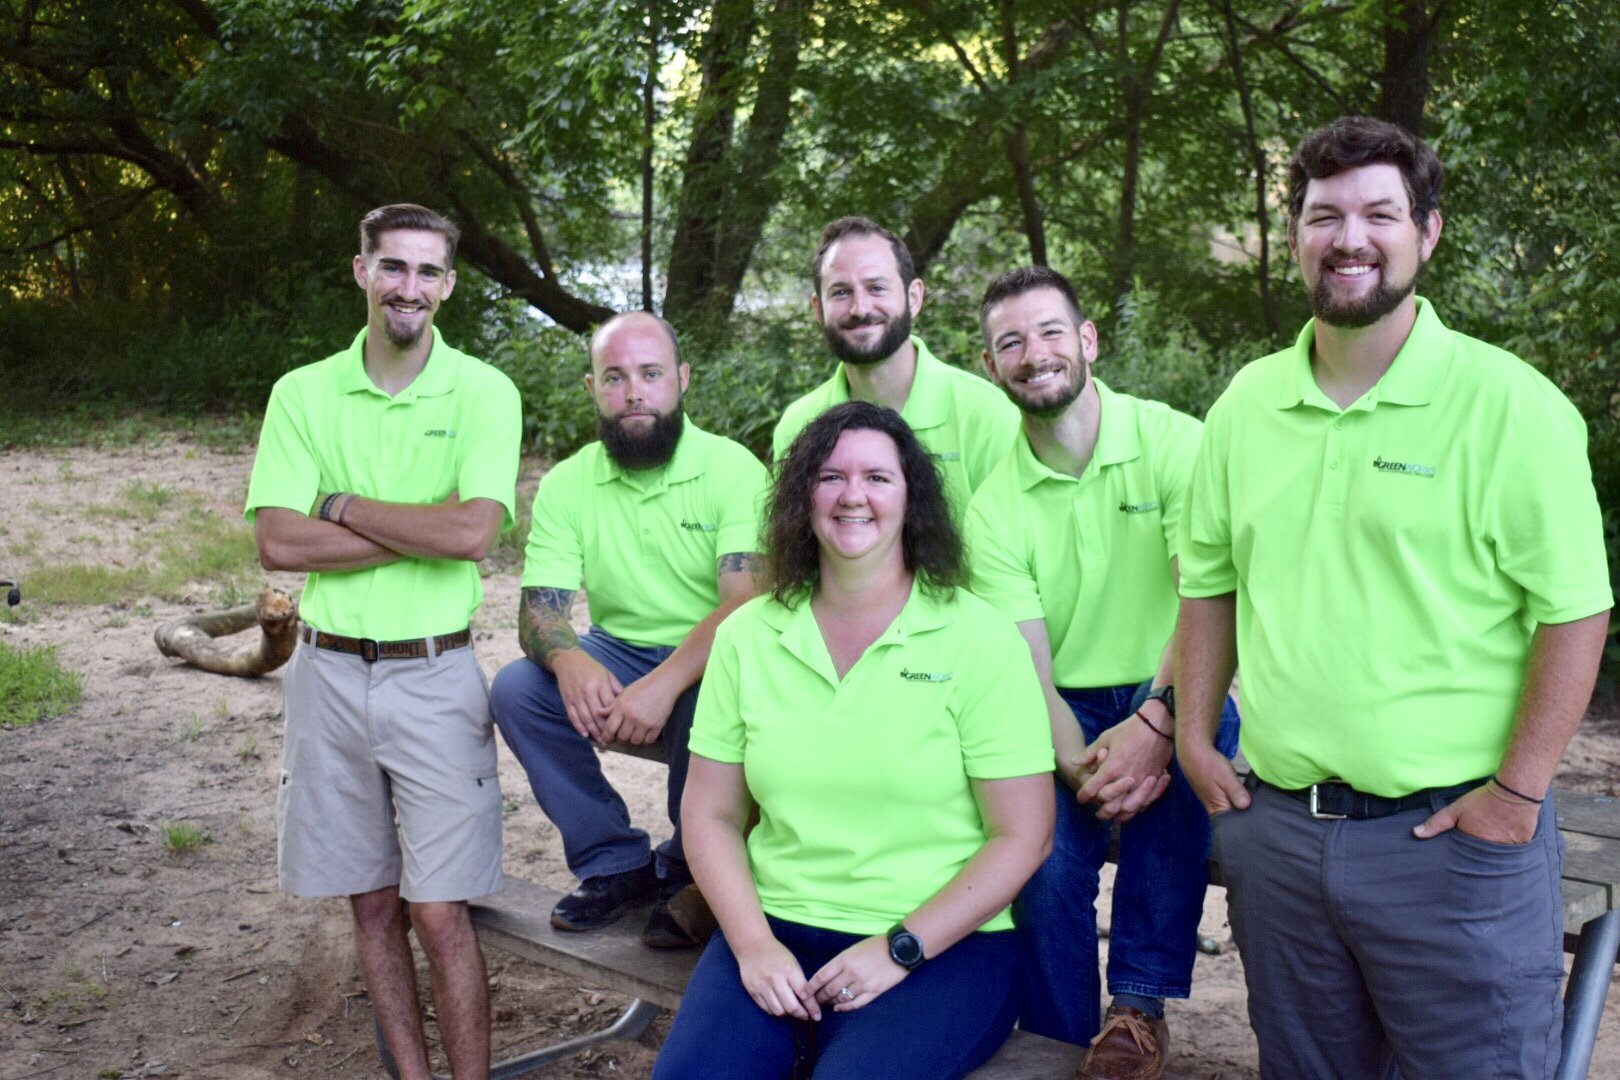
{"x": 1353, "y": 141}
{"x": 397, "y": 216}
{"x": 859, "y": 226}
{"x": 1020, "y": 281}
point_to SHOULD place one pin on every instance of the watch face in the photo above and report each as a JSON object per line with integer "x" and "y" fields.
{"x": 906, "y": 949}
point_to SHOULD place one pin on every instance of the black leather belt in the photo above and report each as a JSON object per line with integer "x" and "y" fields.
{"x": 371, "y": 650}
{"x": 1333, "y": 800}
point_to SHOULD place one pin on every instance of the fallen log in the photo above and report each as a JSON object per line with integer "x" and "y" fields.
{"x": 192, "y": 639}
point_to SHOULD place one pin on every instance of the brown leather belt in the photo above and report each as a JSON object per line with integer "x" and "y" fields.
{"x": 370, "y": 650}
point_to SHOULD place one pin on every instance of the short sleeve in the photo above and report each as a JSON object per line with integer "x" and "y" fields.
{"x": 489, "y": 460}
{"x": 993, "y": 424}
{"x": 555, "y": 557}
{"x": 1002, "y": 718}
{"x": 1542, "y": 515}
{"x": 999, "y": 557}
{"x": 1177, "y": 453}
{"x": 739, "y": 496}
{"x": 285, "y": 471}
{"x": 717, "y": 726}
{"x": 1205, "y": 548}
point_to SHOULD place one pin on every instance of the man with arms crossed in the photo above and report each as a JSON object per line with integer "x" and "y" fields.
{"x": 384, "y": 472}
{"x": 660, "y": 520}
{"x": 1392, "y": 529}
{"x": 1074, "y": 536}
{"x": 866, "y": 292}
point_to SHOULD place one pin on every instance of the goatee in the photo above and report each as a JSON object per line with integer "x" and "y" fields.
{"x": 635, "y": 450}
{"x": 895, "y": 332}
{"x": 1355, "y": 314}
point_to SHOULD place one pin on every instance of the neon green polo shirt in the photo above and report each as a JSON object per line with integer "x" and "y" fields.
{"x": 645, "y": 544}
{"x": 865, "y": 805}
{"x": 1091, "y": 555}
{"x": 1391, "y": 560}
{"x": 456, "y": 428}
{"x": 965, "y": 422}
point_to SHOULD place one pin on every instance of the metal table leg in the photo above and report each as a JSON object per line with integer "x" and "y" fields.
{"x": 631, "y": 1023}
{"x": 1595, "y": 956}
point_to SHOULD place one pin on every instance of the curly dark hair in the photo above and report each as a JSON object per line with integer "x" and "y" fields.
{"x": 1353, "y": 141}
{"x": 929, "y": 541}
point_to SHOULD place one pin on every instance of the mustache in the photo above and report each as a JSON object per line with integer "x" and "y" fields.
{"x": 855, "y": 322}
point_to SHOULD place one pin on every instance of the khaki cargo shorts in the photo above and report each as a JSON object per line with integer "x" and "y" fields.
{"x": 388, "y": 777}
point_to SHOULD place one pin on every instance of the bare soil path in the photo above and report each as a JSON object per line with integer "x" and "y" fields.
{"x": 122, "y": 958}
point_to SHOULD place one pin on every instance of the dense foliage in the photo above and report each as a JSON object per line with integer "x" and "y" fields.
{"x": 181, "y": 178}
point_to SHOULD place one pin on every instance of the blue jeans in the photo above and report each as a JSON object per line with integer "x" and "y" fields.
{"x": 944, "y": 1020}
{"x": 565, "y": 772}
{"x": 1158, "y": 891}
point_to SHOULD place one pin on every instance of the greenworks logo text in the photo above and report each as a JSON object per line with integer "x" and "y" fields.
{"x": 1381, "y": 465}
{"x": 1138, "y": 508}
{"x": 925, "y": 676}
{"x": 699, "y": 526}
{"x": 946, "y": 455}
{"x": 440, "y": 433}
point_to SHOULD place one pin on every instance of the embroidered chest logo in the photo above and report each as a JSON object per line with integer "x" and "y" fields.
{"x": 926, "y": 676}
{"x": 699, "y": 526}
{"x": 440, "y": 433}
{"x": 1425, "y": 471}
{"x": 1138, "y": 508}
{"x": 946, "y": 455}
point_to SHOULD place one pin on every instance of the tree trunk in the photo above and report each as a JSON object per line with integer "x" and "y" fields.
{"x": 1017, "y": 143}
{"x": 1257, "y": 157}
{"x": 192, "y": 639}
{"x": 1404, "y": 84}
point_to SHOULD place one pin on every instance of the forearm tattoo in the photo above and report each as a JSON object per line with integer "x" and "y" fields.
{"x": 739, "y": 562}
{"x": 543, "y": 627}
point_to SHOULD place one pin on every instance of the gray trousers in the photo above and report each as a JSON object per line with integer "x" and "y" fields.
{"x": 1370, "y": 953}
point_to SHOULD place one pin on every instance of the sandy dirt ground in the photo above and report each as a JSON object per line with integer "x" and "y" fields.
{"x": 119, "y": 958}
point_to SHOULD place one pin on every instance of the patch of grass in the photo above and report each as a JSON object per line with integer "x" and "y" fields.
{"x": 202, "y": 548}
{"x": 222, "y": 709}
{"x": 193, "y": 729}
{"x": 34, "y": 685}
{"x": 248, "y": 750}
{"x": 182, "y": 836}
{"x": 115, "y": 424}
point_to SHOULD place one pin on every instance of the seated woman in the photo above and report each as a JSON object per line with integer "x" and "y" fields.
{"x": 890, "y": 730}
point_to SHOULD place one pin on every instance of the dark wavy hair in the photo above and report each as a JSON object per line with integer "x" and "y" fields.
{"x": 1353, "y": 141}
{"x": 408, "y": 216}
{"x": 931, "y": 546}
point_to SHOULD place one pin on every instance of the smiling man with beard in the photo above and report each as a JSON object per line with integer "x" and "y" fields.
{"x": 1074, "y": 536}
{"x": 866, "y": 292}
{"x": 1392, "y": 529}
{"x": 661, "y": 520}
{"x": 384, "y": 472}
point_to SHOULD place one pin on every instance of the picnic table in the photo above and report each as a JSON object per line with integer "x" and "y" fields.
{"x": 517, "y": 920}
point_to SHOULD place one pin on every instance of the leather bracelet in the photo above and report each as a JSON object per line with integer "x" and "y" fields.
{"x": 325, "y": 512}
{"x": 1140, "y": 715}
{"x": 348, "y": 500}
{"x": 1497, "y": 780}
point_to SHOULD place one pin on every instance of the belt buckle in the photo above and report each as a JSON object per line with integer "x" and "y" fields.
{"x": 1318, "y": 814}
{"x": 368, "y": 650}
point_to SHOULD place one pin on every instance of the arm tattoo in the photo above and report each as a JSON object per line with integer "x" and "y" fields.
{"x": 738, "y": 562}
{"x": 543, "y": 626}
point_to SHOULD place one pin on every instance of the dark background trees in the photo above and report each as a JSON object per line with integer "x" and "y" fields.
{"x": 181, "y": 178}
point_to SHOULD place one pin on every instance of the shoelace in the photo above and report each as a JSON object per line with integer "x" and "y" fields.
{"x": 1138, "y": 1029}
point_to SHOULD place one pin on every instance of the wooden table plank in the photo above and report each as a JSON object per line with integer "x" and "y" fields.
{"x": 1593, "y": 859}
{"x": 1596, "y": 815}
{"x": 1583, "y": 902}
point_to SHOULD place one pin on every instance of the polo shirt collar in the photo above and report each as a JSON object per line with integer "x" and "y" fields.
{"x": 436, "y": 378}
{"x": 928, "y": 404}
{"x": 1419, "y": 368}
{"x": 686, "y": 464}
{"x": 800, "y": 634}
{"x": 1118, "y": 441}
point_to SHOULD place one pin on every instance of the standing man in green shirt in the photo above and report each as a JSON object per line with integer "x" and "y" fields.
{"x": 866, "y": 292}
{"x": 1074, "y": 535}
{"x": 1392, "y": 528}
{"x": 384, "y": 472}
{"x": 660, "y": 520}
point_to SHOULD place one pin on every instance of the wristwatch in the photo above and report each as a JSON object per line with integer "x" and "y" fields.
{"x": 1166, "y": 695}
{"x": 905, "y": 948}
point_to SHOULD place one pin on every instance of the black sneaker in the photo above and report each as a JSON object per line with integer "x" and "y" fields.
{"x": 600, "y": 900}
{"x": 664, "y": 929}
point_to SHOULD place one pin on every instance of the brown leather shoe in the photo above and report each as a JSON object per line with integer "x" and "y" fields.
{"x": 1131, "y": 1046}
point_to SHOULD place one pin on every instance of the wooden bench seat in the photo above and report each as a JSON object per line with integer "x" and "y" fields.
{"x": 517, "y": 921}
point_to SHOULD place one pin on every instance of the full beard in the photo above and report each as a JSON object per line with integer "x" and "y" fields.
{"x": 636, "y": 450}
{"x": 895, "y": 333}
{"x": 1355, "y": 314}
{"x": 1052, "y": 403}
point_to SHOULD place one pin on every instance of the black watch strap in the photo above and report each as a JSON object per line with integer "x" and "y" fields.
{"x": 905, "y": 948}
{"x": 1165, "y": 694}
